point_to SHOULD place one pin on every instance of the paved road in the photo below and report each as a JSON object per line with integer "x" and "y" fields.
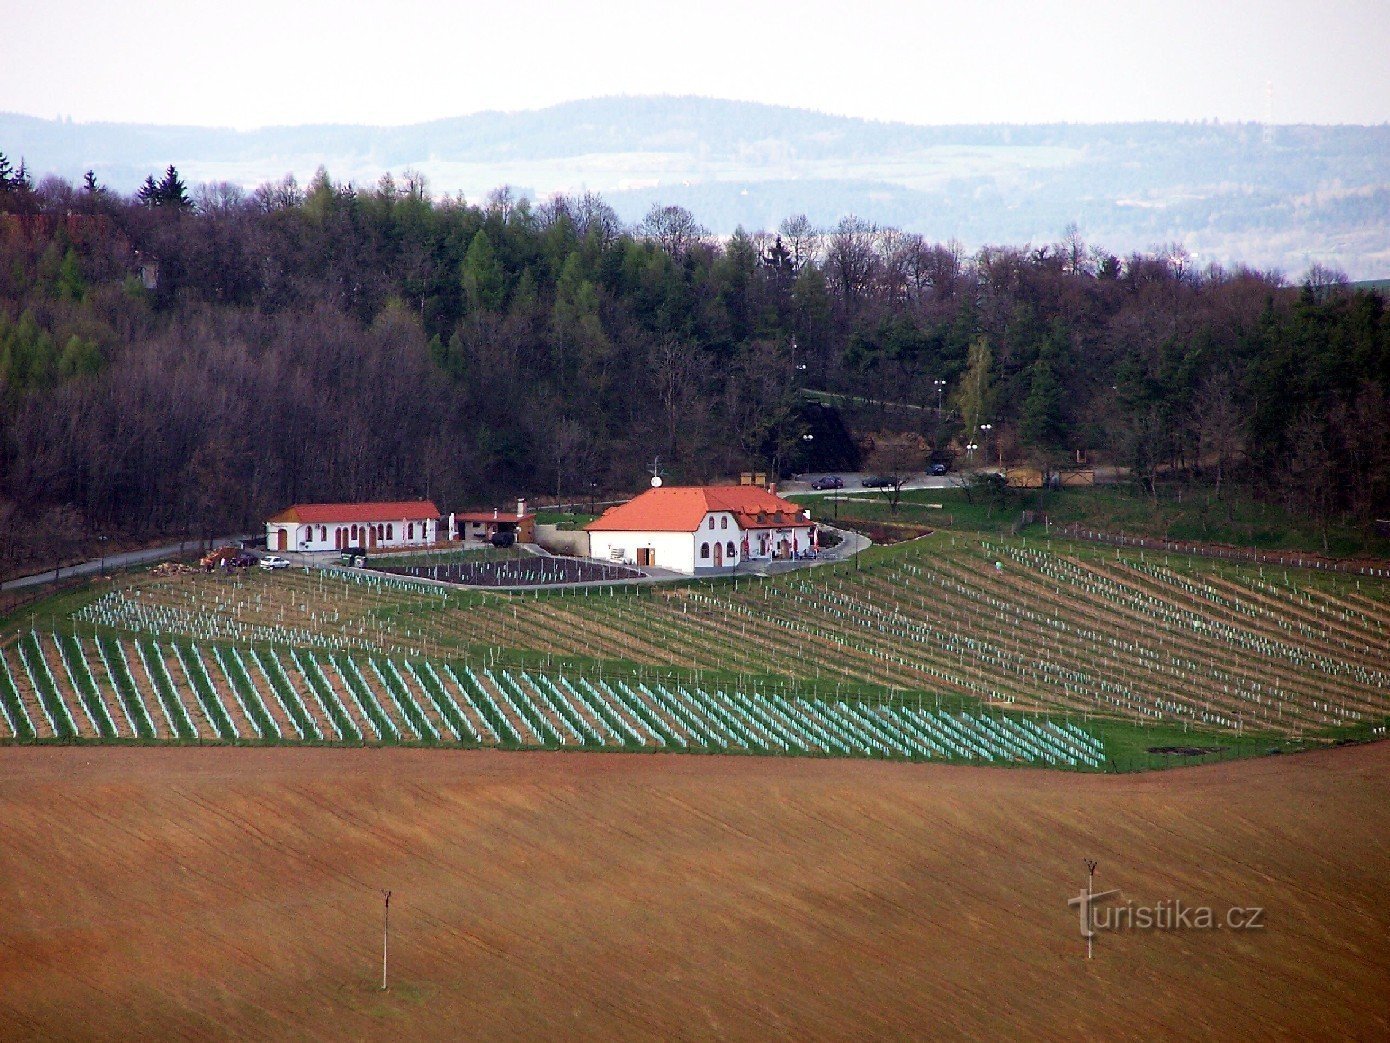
{"x": 117, "y": 561}
{"x": 802, "y": 486}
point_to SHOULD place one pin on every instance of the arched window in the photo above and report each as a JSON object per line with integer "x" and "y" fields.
{"x": 354, "y": 534}
{"x": 704, "y": 547}
{"x": 323, "y": 533}
{"x": 390, "y": 531}
{"x": 711, "y": 521}
{"x": 410, "y": 530}
{"x": 724, "y": 522}
{"x": 729, "y": 549}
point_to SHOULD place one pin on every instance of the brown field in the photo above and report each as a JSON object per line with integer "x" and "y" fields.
{"x": 186, "y": 893}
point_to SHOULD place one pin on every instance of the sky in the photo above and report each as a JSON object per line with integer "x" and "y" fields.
{"x": 253, "y": 63}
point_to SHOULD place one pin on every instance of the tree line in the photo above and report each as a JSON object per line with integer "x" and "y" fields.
{"x": 182, "y": 361}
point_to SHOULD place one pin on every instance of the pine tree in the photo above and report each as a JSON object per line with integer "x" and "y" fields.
{"x": 149, "y": 192}
{"x": 173, "y": 192}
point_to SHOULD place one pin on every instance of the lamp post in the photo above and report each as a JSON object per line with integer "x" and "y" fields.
{"x": 986, "y": 428}
{"x": 101, "y": 540}
{"x": 936, "y": 438}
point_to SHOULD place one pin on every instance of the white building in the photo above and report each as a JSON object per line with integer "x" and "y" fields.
{"x": 336, "y": 526}
{"x": 700, "y": 529}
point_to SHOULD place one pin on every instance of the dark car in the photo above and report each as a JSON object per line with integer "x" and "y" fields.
{"x": 876, "y": 481}
{"x": 938, "y": 469}
{"x": 830, "y": 481}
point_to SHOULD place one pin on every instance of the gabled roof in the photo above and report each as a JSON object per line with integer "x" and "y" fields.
{"x": 331, "y": 513}
{"x": 681, "y": 508}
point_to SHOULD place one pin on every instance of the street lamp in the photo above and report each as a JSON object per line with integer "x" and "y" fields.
{"x": 986, "y": 428}
{"x": 102, "y": 541}
{"x": 936, "y": 438}
{"x": 970, "y": 450}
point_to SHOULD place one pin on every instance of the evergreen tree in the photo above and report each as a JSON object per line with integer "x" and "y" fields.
{"x": 149, "y": 192}
{"x": 173, "y": 193}
{"x": 484, "y": 281}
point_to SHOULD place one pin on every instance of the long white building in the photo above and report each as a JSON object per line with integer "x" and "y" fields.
{"x": 701, "y": 529}
{"x": 336, "y": 526}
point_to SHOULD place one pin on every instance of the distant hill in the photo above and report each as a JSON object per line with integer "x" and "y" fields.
{"x": 1278, "y": 197}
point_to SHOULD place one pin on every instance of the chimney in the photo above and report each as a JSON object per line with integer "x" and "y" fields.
{"x": 521, "y": 508}
{"x": 772, "y": 488}
{"x": 494, "y": 514}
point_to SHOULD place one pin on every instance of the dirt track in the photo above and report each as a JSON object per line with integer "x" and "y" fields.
{"x": 233, "y": 892}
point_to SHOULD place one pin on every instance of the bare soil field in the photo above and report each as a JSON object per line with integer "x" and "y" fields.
{"x": 233, "y": 893}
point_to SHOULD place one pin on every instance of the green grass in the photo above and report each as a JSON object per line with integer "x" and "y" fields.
{"x": 565, "y": 520}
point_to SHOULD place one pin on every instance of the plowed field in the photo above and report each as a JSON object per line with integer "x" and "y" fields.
{"x": 212, "y": 893}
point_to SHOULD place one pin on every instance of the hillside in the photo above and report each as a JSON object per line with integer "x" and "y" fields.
{"x": 959, "y": 648}
{"x": 226, "y": 893}
{"x": 1231, "y": 193}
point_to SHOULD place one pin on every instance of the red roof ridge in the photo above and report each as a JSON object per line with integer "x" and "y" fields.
{"x": 380, "y": 511}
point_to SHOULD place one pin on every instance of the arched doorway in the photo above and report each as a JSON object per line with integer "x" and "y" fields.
{"x": 718, "y": 555}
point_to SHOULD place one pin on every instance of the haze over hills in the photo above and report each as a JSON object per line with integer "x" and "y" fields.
{"x": 1269, "y": 197}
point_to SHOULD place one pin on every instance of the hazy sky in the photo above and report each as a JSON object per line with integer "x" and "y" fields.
{"x": 400, "y": 61}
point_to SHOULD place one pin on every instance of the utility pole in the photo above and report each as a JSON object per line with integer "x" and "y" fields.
{"x": 385, "y": 936}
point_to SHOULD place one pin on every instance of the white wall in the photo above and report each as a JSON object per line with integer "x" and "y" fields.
{"x": 307, "y": 537}
{"x": 671, "y": 550}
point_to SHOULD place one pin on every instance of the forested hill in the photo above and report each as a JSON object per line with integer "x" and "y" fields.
{"x": 1269, "y": 197}
{"x": 178, "y": 366}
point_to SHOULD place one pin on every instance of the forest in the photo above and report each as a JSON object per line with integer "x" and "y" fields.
{"x": 191, "y": 359}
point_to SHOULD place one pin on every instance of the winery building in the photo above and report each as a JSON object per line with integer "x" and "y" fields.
{"x": 702, "y": 529}
{"x": 335, "y": 526}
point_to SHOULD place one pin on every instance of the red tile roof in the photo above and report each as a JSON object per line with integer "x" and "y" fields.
{"x": 330, "y": 513}
{"x": 681, "y": 508}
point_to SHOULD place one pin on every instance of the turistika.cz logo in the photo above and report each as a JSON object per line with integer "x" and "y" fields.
{"x": 1095, "y": 913}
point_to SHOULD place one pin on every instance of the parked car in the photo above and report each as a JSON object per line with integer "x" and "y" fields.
{"x": 274, "y": 562}
{"x": 938, "y": 469}
{"x": 877, "y": 481}
{"x": 830, "y": 481}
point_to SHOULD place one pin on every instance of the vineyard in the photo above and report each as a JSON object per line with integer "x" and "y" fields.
{"x": 979, "y": 649}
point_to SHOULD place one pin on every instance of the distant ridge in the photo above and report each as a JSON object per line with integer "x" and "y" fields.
{"x": 1310, "y": 193}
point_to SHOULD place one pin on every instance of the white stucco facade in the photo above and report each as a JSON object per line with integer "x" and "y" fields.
{"x": 717, "y": 543}
{"x": 664, "y": 550}
{"x": 329, "y": 527}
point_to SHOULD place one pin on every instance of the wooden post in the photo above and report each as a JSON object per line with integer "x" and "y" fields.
{"x": 1090, "y": 889}
{"x": 385, "y": 936}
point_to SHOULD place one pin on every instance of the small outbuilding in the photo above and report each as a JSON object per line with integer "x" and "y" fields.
{"x": 482, "y": 526}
